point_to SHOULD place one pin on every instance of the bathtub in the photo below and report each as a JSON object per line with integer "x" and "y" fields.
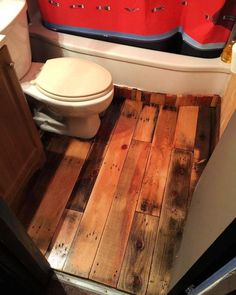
{"x": 134, "y": 67}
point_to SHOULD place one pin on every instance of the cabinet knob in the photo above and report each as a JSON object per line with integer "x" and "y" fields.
{"x": 11, "y": 64}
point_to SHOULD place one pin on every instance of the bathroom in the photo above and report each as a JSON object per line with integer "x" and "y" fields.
{"x": 108, "y": 209}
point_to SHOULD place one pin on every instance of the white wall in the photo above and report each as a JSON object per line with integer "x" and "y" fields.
{"x": 213, "y": 206}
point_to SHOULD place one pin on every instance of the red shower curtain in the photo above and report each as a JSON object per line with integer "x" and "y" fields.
{"x": 203, "y": 24}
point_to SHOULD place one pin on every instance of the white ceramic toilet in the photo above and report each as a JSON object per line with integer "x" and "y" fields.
{"x": 69, "y": 93}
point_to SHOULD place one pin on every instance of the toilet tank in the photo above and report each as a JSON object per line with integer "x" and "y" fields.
{"x": 14, "y": 25}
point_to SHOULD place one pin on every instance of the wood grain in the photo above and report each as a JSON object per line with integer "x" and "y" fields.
{"x": 174, "y": 211}
{"x": 186, "y": 128}
{"x": 109, "y": 257}
{"x": 84, "y": 247}
{"x": 146, "y": 124}
{"x": 63, "y": 238}
{"x": 84, "y": 185}
{"x": 49, "y": 212}
{"x": 153, "y": 186}
{"x": 165, "y": 128}
{"x": 135, "y": 269}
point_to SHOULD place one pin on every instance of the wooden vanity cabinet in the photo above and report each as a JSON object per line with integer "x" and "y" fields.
{"x": 21, "y": 151}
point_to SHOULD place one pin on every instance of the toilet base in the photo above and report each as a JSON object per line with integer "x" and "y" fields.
{"x": 85, "y": 127}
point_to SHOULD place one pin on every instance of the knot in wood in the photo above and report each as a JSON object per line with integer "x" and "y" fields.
{"x": 139, "y": 245}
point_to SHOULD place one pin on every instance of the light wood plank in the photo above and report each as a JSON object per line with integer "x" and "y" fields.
{"x": 84, "y": 247}
{"x": 173, "y": 214}
{"x": 84, "y": 185}
{"x": 49, "y": 212}
{"x": 165, "y": 128}
{"x": 110, "y": 254}
{"x": 202, "y": 146}
{"x": 135, "y": 269}
{"x": 186, "y": 128}
{"x": 146, "y": 124}
{"x": 153, "y": 185}
{"x": 63, "y": 238}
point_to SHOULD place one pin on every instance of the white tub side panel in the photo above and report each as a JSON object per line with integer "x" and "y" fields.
{"x": 142, "y": 76}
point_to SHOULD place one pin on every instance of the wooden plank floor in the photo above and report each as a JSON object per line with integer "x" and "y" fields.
{"x": 112, "y": 209}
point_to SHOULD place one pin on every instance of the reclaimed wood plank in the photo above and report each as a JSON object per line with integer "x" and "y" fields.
{"x": 63, "y": 238}
{"x": 193, "y": 100}
{"x": 136, "y": 266}
{"x": 215, "y": 127}
{"x": 157, "y": 98}
{"x": 49, "y": 211}
{"x": 170, "y": 100}
{"x": 85, "y": 244}
{"x": 153, "y": 186}
{"x": 152, "y": 191}
{"x": 145, "y": 97}
{"x": 165, "y": 128}
{"x": 110, "y": 254}
{"x": 202, "y": 146}
{"x": 86, "y": 180}
{"x": 173, "y": 215}
{"x": 186, "y": 128}
{"x": 146, "y": 124}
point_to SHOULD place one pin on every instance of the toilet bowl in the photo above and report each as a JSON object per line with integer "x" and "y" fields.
{"x": 70, "y": 94}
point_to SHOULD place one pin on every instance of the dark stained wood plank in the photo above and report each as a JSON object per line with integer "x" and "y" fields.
{"x": 145, "y": 97}
{"x": 110, "y": 254}
{"x": 186, "y": 128}
{"x": 202, "y": 146}
{"x": 146, "y": 124}
{"x": 63, "y": 238}
{"x": 84, "y": 185}
{"x": 85, "y": 244}
{"x": 173, "y": 214}
{"x": 50, "y": 210}
{"x": 215, "y": 127}
{"x": 170, "y": 100}
{"x": 38, "y": 185}
{"x": 125, "y": 92}
{"x": 153, "y": 185}
{"x": 136, "y": 266}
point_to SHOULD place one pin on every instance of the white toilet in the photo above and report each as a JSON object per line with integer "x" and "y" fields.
{"x": 69, "y": 93}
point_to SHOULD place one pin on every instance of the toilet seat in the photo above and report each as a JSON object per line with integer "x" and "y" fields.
{"x": 73, "y": 80}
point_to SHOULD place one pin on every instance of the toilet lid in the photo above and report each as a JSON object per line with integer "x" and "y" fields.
{"x": 73, "y": 79}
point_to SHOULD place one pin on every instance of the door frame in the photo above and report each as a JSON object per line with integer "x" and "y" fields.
{"x": 215, "y": 257}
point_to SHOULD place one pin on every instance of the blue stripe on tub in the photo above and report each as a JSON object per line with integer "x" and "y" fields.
{"x": 136, "y": 37}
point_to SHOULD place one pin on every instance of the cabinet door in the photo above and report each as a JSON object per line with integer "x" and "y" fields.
{"x": 21, "y": 151}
